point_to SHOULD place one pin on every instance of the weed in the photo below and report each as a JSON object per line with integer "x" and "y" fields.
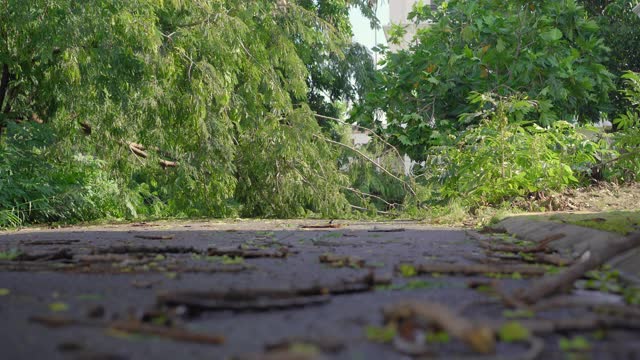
{"x": 226, "y": 260}
{"x": 11, "y": 254}
{"x": 380, "y": 334}
{"x": 577, "y": 343}
{"x": 513, "y": 331}
{"x": 438, "y": 337}
{"x": 58, "y": 307}
{"x": 518, "y": 314}
{"x": 408, "y": 270}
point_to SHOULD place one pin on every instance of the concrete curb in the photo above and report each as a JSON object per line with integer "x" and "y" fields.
{"x": 577, "y": 241}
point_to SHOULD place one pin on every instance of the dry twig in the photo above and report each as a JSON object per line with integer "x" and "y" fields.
{"x": 591, "y": 260}
{"x": 476, "y": 269}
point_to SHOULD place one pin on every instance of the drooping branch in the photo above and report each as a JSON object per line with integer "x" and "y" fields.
{"x": 364, "y": 194}
{"x": 395, "y": 149}
{"x": 408, "y": 186}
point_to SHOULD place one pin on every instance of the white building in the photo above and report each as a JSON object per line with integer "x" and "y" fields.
{"x": 398, "y": 12}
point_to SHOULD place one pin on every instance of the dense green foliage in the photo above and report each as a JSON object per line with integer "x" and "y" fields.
{"x": 548, "y": 50}
{"x": 494, "y": 99}
{"x": 619, "y": 29}
{"x": 181, "y": 107}
{"x": 157, "y": 108}
{"x": 503, "y": 158}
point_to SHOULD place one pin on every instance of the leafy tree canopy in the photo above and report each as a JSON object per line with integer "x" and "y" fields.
{"x": 548, "y": 50}
{"x": 201, "y": 103}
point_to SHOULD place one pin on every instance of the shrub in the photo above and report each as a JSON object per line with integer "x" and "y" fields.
{"x": 506, "y": 157}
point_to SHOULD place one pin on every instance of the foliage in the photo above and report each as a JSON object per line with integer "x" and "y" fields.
{"x": 371, "y": 188}
{"x": 619, "y": 29}
{"x": 622, "y": 222}
{"x": 11, "y": 254}
{"x": 380, "y": 334}
{"x": 513, "y": 331}
{"x": 407, "y": 270}
{"x": 340, "y": 77}
{"x": 505, "y": 156}
{"x": 40, "y": 184}
{"x": 626, "y": 166}
{"x": 548, "y": 50}
{"x": 577, "y": 343}
{"x": 182, "y": 107}
{"x": 618, "y": 26}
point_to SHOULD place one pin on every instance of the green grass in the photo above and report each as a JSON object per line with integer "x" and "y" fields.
{"x": 622, "y": 222}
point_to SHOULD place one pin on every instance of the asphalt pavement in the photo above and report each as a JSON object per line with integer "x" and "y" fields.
{"x": 222, "y": 290}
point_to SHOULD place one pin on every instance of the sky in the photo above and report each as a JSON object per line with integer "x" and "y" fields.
{"x": 362, "y": 31}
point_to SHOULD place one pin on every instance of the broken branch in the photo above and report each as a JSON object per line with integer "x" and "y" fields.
{"x": 566, "y": 278}
{"x": 479, "y": 337}
{"x": 406, "y": 184}
{"x": 475, "y": 269}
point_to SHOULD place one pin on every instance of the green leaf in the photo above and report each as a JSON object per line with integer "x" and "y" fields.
{"x": 408, "y": 270}
{"x": 501, "y": 45}
{"x": 380, "y": 334}
{"x": 513, "y": 331}
{"x": 438, "y": 337}
{"x": 577, "y": 343}
{"x": 58, "y": 307}
{"x": 551, "y": 35}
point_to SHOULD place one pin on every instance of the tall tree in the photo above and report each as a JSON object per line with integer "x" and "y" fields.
{"x": 549, "y": 50}
{"x": 204, "y": 102}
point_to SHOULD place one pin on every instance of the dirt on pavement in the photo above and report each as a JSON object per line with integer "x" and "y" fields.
{"x": 289, "y": 290}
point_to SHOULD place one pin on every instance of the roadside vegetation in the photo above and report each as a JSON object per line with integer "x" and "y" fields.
{"x": 187, "y": 108}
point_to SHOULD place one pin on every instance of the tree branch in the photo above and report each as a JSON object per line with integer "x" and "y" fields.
{"x": 362, "y": 128}
{"x": 139, "y": 150}
{"x": 391, "y": 205}
{"x": 4, "y": 83}
{"x": 594, "y": 258}
{"x": 368, "y": 159}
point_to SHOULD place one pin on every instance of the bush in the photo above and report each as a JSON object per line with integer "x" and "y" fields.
{"x": 625, "y": 165}
{"x": 39, "y": 184}
{"x": 549, "y": 50}
{"x": 505, "y": 157}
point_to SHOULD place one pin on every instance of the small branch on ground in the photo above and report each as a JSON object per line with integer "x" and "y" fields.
{"x": 172, "y": 333}
{"x": 592, "y": 260}
{"x": 133, "y": 327}
{"x": 478, "y": 337}
{"x": 64, "y": 254}
{"x": 248, "y": 253}
{"x": 478, "y": 269}
{"x": 264, "y": 299}
{"x": 146, "y": 250}
{"x": 155, "y": 237}
{"x": 342, "y": 261}
{"x": 386, "y": 230}
{"x": 327, "y": 226}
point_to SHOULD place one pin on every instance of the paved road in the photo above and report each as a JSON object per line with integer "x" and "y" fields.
{"x": 165, "y": 273}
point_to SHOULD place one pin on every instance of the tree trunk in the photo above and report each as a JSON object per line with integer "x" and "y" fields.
{"x": 4, "y": 87}
{"x": 4, "y": 83}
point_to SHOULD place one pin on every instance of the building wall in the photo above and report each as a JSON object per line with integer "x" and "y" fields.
{"x": 398, "y": 12}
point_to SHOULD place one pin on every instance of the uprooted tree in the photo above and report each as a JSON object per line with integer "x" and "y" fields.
{"x": 114, "y": 108}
